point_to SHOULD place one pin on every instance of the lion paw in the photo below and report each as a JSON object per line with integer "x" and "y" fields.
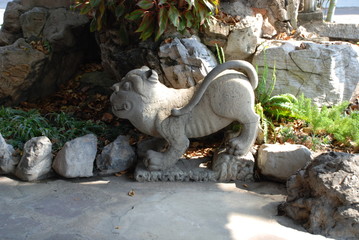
{"x": 154, "y": 161}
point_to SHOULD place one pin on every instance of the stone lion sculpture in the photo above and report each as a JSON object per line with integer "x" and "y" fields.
{"x": 224, "y": 96}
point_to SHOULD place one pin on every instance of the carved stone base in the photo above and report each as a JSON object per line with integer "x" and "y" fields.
{"x": 225, "y": 168}
{"x": 184, "y": 171}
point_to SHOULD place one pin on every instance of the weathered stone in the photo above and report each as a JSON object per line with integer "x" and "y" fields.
{"x": 185, "y": 170}
{"x": 186, "y": 61}
{"x": 19, "y": 63}
{"x": 243, "y": 41}
{"x": 62, "y": 28}
{"x": 224, "y": 96}
{"x": 276, "y": 13}
{"x": 117, "y": 156}
{"x": 46, "y": 3}
{"x": 99, "y": 82}
{"x": 334, "y": 30}
{"x": 324, "y": 196}
{"x": 326, "y": 72}
{"x": 11, "y": 28}
{"x": 216, "y": 33}
{"x": 77, "y": 157}
{"x": 33, "y": 21}
{"x": 279, "y": 162}
{"x": 305, "y": 18}
{"x": 231, "y": 168}
{"x": 35, "y": 163}
{"x": 236, "y": 8}
{"x": 8, "y": 160}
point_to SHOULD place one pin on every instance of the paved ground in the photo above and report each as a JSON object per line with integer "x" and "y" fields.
{"x": 100, "y": 208}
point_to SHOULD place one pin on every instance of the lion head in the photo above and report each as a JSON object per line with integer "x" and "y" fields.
{"x": 133, "y": 92}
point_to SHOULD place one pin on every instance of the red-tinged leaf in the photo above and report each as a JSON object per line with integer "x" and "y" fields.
{"x": 174, "y": 16}
{"x": 93, "y": 25}
{"x": 120, "y": 10}
{"x": 182, "y": 25}
{"x": 162, "y": 22}
{"x": 135, "y": 15}
{"x": 145, "y": 4}
{"x": 147, "y": 20}
{"x": 189, "y": 18}
{"x": 95, "y": 3}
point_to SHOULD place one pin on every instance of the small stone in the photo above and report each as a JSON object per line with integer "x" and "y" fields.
{"x": 116, "y": 157}
{"x": 35, "y": 164}
{"x": 8, "y": 161}
{"x": 279, "y": 162}
{"x": 76, "y": 158}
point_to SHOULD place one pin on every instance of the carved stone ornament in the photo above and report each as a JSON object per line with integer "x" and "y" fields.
{"x": 224, "y": 96}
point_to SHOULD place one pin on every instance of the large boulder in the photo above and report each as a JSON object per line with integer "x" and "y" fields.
{"x": 19, "y": 64}
{"x": 76, "y": 158}
{"x": 334, "y": 30}
{"x": 8, "y": 160}
{"x": 326, "y": 72}
{"x": 11, "y": 27}
{"x": 54, "y": 39}
{"x": 324, "y": 197}
{"x": 33, "y": 21}
{"x": 35, "y": 163}
{"x": 186, "y": 61}
{"x": 279, "y": 162}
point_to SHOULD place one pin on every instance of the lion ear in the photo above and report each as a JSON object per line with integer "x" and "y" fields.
{"x": 153, "y": 76}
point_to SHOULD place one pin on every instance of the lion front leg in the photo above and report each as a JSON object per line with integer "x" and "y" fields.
{"x": 172, "y": 130}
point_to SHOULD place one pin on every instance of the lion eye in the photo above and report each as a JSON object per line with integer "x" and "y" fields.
{"x": 126, "y": 86}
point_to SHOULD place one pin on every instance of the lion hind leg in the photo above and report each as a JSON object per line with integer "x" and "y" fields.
{"x": 241, "y": 145}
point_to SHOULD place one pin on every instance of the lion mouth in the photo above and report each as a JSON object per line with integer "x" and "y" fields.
{"x": 122, "y": 107}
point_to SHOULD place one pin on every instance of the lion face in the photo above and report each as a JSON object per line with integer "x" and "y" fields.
{"x": 133, "y": 92}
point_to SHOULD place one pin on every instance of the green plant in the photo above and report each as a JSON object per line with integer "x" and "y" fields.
{"x": 18, "y": 126}
{"x": 151, "y": 16}
{"x": 220, "y": 54}
{"x": 343, "y": 127}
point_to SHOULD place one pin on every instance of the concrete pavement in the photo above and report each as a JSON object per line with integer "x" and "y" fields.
{"x": 102, "y": 208}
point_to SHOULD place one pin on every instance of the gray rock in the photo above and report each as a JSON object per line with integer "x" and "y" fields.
{"x": 35, "y": 163}
{"x": 77, "y": 157}
{"x": 334, "y": 30}
{"x": 186, "y": 61}
{"x": 62, "y": 28}
{"x": 231, "y": 168}
{"x": 117, "y": 156}
{"x": 279, "y": 162}
{"x": 45, "y": 3}
{"x": 324, "y": 196}
{"x": 243, "y": 41}
{"x": 326, "y": 72}
{"x": 8, "y": 160}
{"x": 33, "y": 21}
{"x": 237, "y": 8}
{"x": 11, "y": 28}
{"x": 19, "y": 63}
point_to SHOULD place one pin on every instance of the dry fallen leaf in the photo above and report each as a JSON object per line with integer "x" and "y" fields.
{"x": 131, "y": 193}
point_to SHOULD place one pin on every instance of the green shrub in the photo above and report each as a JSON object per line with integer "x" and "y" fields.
{"x": 19, "y": 126}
